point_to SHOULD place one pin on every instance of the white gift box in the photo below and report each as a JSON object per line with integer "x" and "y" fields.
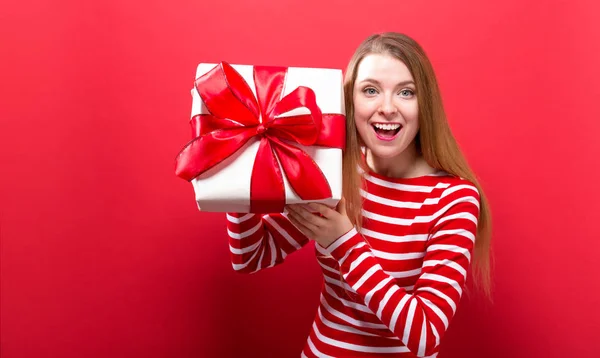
{"x": 226, "y": 186}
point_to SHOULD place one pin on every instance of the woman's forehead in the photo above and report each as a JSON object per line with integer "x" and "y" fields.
{"x": 382, "y": 68}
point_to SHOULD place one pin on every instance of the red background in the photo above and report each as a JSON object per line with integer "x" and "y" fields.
{"x": 104, "y": 253}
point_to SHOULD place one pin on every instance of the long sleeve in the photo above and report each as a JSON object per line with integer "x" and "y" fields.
{"x": 261, "y": 241}
{"x": 419, "y": 319}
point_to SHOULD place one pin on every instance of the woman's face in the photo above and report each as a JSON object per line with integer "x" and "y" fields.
{"x": 385, "y": 105}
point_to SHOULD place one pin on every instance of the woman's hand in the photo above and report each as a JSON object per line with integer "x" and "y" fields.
{"x": 324, "y": 229}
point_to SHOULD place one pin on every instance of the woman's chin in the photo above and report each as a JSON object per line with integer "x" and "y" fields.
{"x": 385, "y": 152}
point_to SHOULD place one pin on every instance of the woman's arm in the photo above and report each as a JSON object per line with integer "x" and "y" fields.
{"x": 261, "y": 241}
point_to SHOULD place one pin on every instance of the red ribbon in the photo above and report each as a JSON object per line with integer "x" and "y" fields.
{"x": 236, "y": 117}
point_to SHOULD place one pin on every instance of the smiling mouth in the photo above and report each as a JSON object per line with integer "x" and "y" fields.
{"x": 387, "y": 131}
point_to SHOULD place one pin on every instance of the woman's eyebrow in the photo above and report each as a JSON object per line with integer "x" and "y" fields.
{"x": 403, "y": 83}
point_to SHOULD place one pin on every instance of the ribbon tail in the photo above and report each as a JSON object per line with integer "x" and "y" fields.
{"x": 267, "y": 191}
{"x": 304, "y": 175}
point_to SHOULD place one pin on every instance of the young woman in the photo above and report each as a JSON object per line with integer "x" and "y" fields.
{"x": 396, "y": 250}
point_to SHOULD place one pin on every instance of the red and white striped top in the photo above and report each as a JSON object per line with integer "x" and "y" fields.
{"x": 403, "y": 274}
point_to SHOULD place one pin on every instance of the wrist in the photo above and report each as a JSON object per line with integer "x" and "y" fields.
{"x": 337, "y": 242}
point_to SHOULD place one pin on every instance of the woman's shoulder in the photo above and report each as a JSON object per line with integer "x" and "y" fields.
{"x": 452, "y": 179}
{"x": 456, "y": 187}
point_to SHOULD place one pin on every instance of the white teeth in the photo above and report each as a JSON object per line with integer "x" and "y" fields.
{"x": 387, "y": 127}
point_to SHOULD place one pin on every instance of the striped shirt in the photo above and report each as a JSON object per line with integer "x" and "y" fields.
{"x": 391, "y": 289}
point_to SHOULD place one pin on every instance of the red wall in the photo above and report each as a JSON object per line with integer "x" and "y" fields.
{"x": 104, "y": 253}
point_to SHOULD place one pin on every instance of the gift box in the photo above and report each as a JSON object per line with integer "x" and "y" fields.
{"x": 264, "y": 137}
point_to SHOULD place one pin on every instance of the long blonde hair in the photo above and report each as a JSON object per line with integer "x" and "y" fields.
{"x": 435, "y": 140}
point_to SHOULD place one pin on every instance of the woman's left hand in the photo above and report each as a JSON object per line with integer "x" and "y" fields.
{"x": 324, "y": 229}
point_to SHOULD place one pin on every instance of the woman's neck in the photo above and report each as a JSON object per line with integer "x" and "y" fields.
{"x": 408, "y": 164}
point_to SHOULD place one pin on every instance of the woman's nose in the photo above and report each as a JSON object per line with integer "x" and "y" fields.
{"x": 387, "y": 107}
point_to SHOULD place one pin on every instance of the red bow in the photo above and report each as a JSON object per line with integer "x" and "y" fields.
{"x": 236, "y": 117}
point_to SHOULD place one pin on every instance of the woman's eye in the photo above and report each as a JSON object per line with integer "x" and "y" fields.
{"x": 370, "y": 91}
{"x": 407, "y": 92}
